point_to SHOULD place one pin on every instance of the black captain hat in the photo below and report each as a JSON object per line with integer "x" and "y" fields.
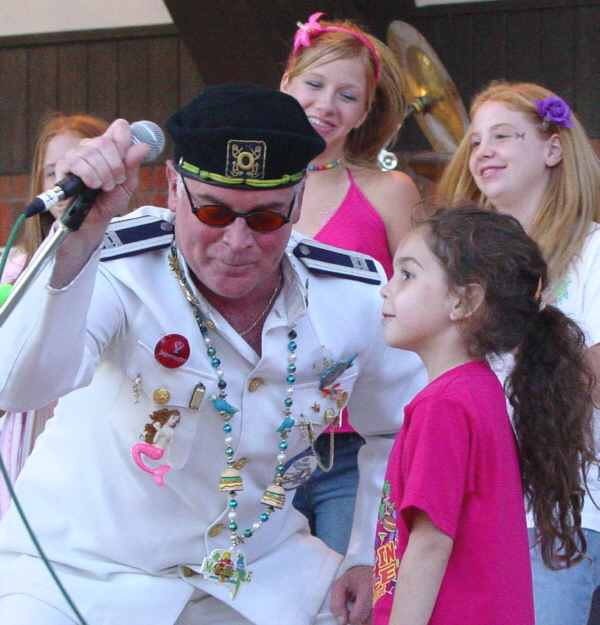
{"x": 244, "y": 136}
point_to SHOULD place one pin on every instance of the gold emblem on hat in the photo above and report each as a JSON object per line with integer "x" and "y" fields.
{"x": 246, "y": 159}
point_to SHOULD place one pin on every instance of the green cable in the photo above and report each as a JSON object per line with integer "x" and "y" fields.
{"x": 14, "y": 231}
{"x": 9, "y": 243}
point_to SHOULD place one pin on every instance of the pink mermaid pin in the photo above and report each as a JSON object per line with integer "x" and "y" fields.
{"x": 157, "y": 436}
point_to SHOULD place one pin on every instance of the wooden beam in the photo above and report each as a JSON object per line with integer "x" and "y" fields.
{"x": 245, "y": 40}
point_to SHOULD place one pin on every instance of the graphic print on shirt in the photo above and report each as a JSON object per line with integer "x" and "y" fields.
{"x": 386, "y": 563}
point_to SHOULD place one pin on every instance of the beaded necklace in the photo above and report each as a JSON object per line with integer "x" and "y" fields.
{"x": 229, "y": 566}
{"x": 324, "y": 166}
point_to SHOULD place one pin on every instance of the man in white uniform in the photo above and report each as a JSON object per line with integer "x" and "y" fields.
{"x": 194, "y": 370}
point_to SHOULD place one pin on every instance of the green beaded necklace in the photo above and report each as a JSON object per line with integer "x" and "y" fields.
{"x": 220, "y": 565}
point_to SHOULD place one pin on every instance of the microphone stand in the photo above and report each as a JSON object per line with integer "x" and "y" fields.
{"x": 71, "y": 221}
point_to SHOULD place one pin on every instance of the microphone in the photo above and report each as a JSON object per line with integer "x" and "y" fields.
{"x": 143, "y": 132}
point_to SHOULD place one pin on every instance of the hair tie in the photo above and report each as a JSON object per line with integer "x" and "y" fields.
{"x": 554, "y": 110}
{"x": 312, "y": 29}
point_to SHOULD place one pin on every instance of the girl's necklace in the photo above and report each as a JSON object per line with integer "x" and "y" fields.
{"x": 336, "y": 162}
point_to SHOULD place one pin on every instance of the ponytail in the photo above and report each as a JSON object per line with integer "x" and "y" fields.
{"x": 550, "y": 391}
{"x": 551, "y": 385}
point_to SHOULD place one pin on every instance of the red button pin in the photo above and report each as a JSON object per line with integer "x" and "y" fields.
{"x": 172, "y": 350}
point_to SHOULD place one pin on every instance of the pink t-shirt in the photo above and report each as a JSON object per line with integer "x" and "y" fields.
{"x": 455, "y": 459}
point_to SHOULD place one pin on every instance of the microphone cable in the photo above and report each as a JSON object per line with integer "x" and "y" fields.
{"x": 13, "y": 496}
{"x": 36, "y": 542}
{"x": 14, "y": 231}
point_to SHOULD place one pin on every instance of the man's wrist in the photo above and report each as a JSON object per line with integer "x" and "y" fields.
{"x": 74, "y": 254}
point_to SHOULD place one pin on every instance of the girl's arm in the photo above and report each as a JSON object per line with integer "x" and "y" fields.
{"x": 420, "y": 573}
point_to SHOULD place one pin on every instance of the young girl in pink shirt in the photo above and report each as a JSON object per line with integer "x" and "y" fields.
{"x": 451, "y": 541}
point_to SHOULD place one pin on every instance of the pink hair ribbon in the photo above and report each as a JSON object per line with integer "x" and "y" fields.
{"x": 310, "y": 29}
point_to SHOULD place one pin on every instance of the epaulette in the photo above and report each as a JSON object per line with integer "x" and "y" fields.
{"x": 128, "y": 237}
{"x": 322, "y": 258}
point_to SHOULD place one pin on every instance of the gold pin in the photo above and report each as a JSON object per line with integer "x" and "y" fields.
{"x": 186, "y": 571}
{"x": 254, "y": 384}
{"x": 197, "y": 396}
{"x": 215, "y": 530}
{"x": 342, "y": 400}
{"x": 329, "y": 416}
{"x": 240, "y": 464}
{"x": 161, "y": 396}
{"x": 306, "y": 428}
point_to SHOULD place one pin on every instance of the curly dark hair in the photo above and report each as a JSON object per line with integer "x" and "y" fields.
{"x": 550, "y": 387}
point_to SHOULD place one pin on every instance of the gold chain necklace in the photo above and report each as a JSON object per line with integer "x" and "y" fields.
{"x": 267, "y": 307}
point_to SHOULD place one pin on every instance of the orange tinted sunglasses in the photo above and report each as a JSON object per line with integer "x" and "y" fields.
{"x": 219, "y": 216}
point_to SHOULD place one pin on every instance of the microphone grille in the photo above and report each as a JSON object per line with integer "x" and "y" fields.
{"x": 151, "y": 134}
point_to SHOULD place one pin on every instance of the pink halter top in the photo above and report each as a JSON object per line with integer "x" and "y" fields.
{"x": 357, "y": 226}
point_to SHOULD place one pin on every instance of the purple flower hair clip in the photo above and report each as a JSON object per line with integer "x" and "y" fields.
{"x": 554, "y": 110}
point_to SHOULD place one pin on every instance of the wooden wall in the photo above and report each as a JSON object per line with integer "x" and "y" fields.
{"x": 143, "y": 73}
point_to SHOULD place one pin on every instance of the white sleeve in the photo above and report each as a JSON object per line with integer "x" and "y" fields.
{"x": 591, "y": 288}
{"x": 53, "y": 340}
{"x": 390, "y": 378}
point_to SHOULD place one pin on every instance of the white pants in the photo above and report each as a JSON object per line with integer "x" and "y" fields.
{"x": 25, "y": 610}
{"x": 202, "y": 609}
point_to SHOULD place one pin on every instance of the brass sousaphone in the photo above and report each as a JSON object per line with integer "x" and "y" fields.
{"x": 431, "y": 94}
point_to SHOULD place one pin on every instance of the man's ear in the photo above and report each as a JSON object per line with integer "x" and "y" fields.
{"x": 171, "y": 184}
{"x": 466, "y": 301}
{"x": 299, "y": 196}
{"x": 553, "y": 151}
{"x": 285, "y": 81}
